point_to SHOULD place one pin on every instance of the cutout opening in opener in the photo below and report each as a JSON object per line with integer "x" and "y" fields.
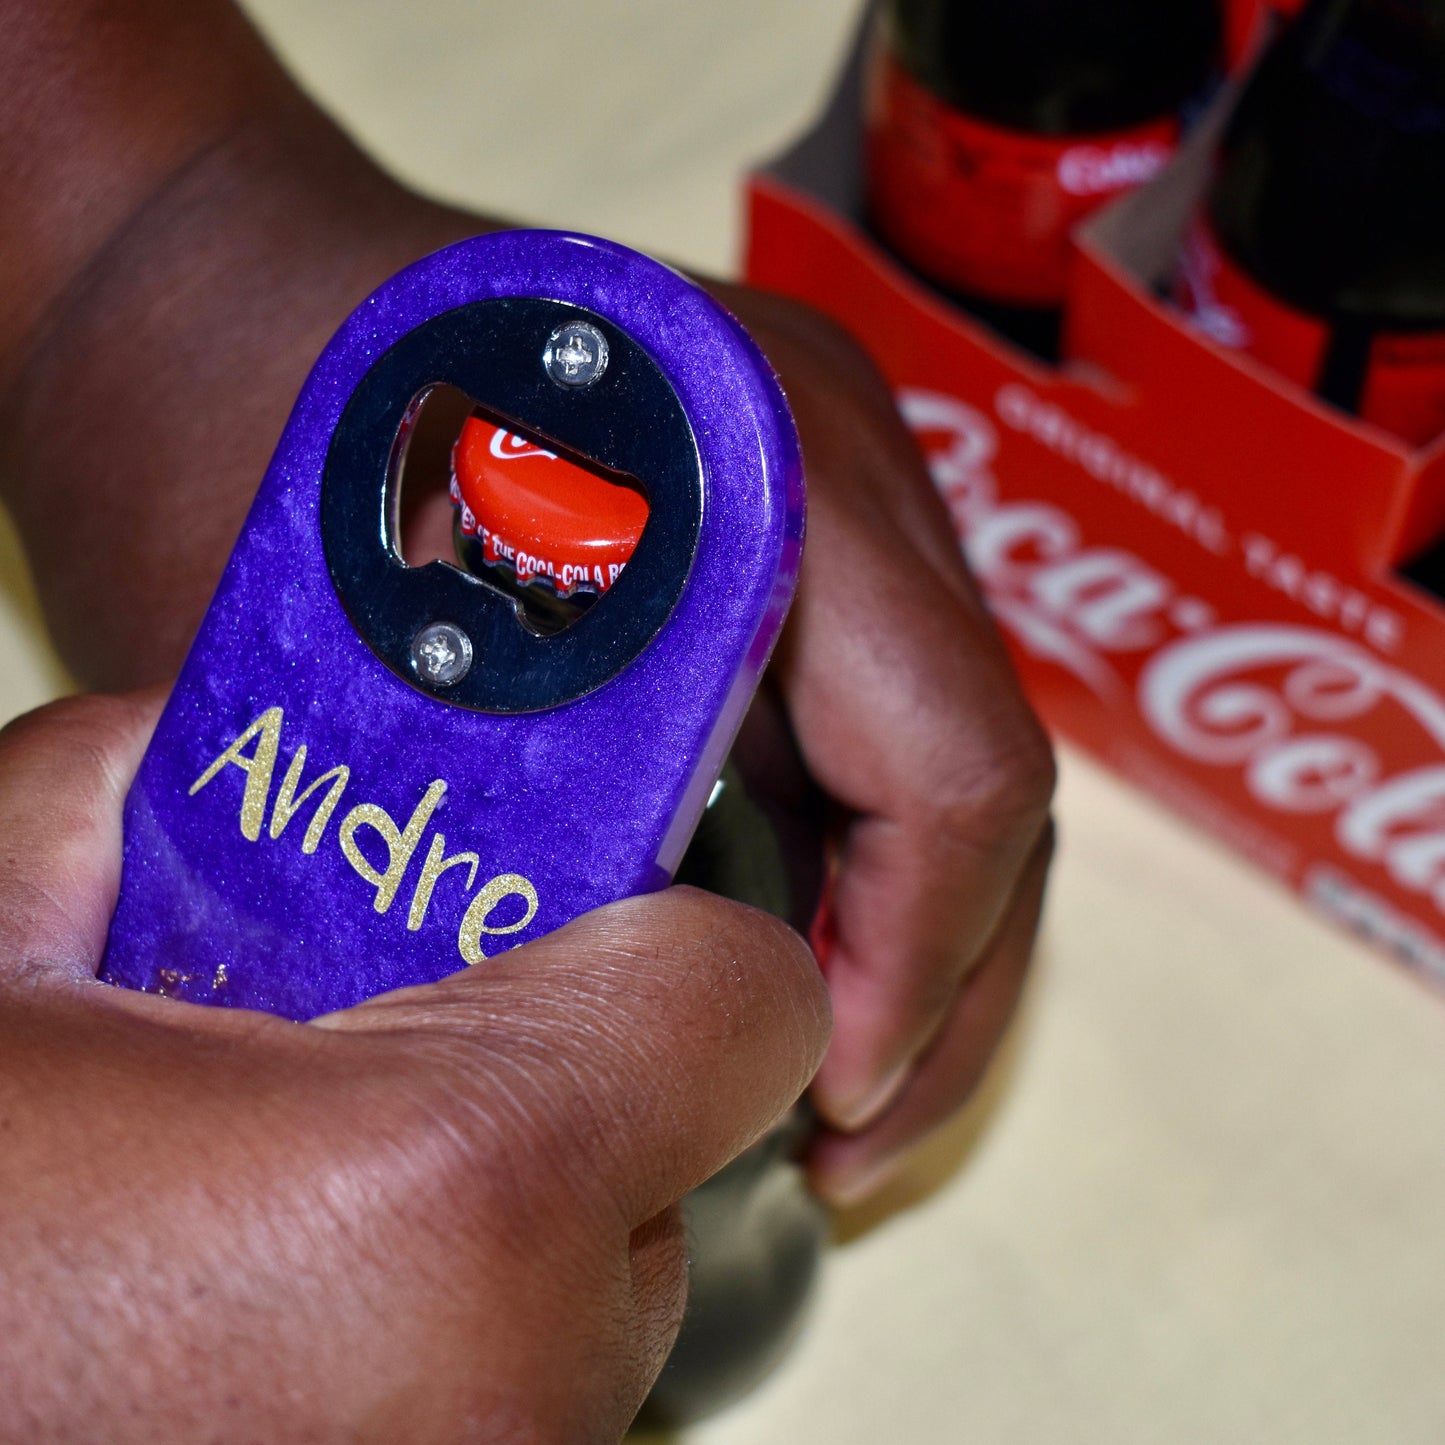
{"x": 523, "y": 515}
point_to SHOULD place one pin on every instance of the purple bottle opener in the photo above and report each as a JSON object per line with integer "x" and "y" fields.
{"x": 370, "y": 774}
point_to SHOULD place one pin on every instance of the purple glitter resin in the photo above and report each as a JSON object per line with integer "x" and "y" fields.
{"x": 239, "y": 891}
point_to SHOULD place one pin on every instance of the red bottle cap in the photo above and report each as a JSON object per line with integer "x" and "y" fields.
{"x": 541, "y": 514}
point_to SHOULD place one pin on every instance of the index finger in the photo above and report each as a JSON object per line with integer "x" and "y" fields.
{"x": 927, "y": 741}
{"x": 909, "y": 715}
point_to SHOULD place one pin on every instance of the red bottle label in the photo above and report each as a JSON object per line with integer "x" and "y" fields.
{"x": 1404, "y": 387}
{"x": 984, "y": 209}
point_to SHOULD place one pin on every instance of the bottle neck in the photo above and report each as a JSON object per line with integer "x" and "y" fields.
{"x": 1328, "y": 189}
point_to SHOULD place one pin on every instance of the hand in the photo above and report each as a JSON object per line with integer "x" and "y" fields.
{"x": 907, "y": 713}
{"x": 190, "y": 329}
{"x": 205, "y": 1211}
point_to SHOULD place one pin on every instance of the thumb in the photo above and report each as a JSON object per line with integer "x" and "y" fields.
{"x": 653, "y": 1039}
{"x": 638, "y": 1049}
{"x": 64, "y": 772}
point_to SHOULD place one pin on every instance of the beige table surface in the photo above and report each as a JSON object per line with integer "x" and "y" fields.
{"x": 1204, "y": 1198}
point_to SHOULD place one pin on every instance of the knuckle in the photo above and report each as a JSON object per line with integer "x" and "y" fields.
{"x": 1028, "y": 770}
{"x": 92, "y": 730}
{"x": 659, "y": 1280}
{"x": 1004, "y": 790}
{"x": 82, "y": 711}
{"x": 490, "y": 1143}
{"x": 64, "y": 715}
{"x": 515, "y": 1119}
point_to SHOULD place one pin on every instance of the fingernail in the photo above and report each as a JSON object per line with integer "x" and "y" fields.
{"x": 853, "y": 1189}
{"x": 857, "y": 1113}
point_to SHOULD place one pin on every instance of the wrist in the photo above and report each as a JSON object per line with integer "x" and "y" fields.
{"x": 184, "y": 339}
{"x": 101, "y": 107}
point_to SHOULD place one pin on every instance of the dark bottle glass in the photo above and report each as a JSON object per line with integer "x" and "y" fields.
{"x": 755, "y": 1232}
{"x": 1320, "y": 247}
{"x": 554, "y": 536}
{"x": 993, "y": 128}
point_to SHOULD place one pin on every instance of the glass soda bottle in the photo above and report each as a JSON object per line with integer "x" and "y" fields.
{"x": 993, "y": 128}
{"x": 555, "y": 536}
{"x": 1320, "y": 246}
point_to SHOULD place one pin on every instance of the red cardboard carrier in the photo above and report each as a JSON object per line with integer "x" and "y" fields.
{"x": 1195, "y": 564}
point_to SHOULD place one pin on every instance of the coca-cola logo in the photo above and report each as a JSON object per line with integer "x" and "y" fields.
{"x": 1101, "y": 170}
{"x": 1273, "y": 701}
{"x": 1295, "y": 710}
{"x": 507, "y": 446}
{"x": 1066, "y": 601}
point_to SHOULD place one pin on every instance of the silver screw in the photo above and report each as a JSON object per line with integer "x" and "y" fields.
{"x": 576, "y": 354}
{"x": 441, "y": 653}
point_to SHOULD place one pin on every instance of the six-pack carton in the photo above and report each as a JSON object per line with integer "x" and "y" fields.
{"x": 1196, "y": 565}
